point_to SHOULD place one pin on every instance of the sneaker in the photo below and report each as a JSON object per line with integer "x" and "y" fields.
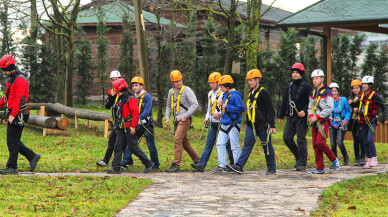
{"x": 112, "y": 171}
{"x": 336, "y": 164}
{"x": 362, "y": 161}
{"x": 198, "y": 166}
{"x": 154, "y": 167}
{"x": 235, "y": 168}
{"x": 34, "y": 162}
{"x": 356, "y": 162}
{"x": 9, "y": 171}
{"x": 102, "y": 164}
{"x": 173, "y": 169}
{"x": 316, "y": 171}
{"x": 149, "y": 168}
{"x": 219, "y": 170}
{"x": 368, "y": 162}
{"x": 300, "y": 168}
{"x": 270, "y": 172}
{"x": 374, "y": 162}
{"x": 124, "y": 167}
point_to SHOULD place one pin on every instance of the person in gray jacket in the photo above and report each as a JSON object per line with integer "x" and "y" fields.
{"x": 181, "y": 104}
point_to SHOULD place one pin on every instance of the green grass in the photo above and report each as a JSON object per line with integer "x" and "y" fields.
{"x": 86, "y": 146}
{"x": 67, "y": 195}
{"x": 363, "y": 196}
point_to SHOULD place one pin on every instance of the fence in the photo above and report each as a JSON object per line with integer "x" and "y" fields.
{"x": 381, "y": 134}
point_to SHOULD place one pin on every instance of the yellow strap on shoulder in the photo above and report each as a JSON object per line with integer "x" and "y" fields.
{"x": 117, "y": 98}
{"x": 253, "y": 117}
{"x": 367, "y": 104}
{"x": 319, "y": 98}
{"x": 214, "y": 105}
{"x": 177, "y": 101}
{"x": 359, "y": 107}
{"x": 141, "y": 102}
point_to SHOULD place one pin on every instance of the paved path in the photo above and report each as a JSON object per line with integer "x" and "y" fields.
{"x": 289, "y": 193}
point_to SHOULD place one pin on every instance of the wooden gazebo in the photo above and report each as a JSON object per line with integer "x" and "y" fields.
{"x": 359, "y": 15}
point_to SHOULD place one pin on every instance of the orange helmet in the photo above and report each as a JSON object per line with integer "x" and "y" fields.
{"x": 176, "y": 75}
{"x": 214, "y": 77}
{"x": 254, "y": 73}
{"x": 137, "y": 80}
{"x": 355, "y": 82}
{"x": 226, "y": 79}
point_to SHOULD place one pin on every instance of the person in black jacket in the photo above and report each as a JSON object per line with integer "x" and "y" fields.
{"x": 260, "y": 124}
{"x": 294, "y": 107}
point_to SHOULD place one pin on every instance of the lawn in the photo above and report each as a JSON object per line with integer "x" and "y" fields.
{"x": 363, "y": 196}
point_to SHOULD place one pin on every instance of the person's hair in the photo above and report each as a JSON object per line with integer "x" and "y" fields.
{"x": 228, "y": 85}
{"x": 124, "y": 90}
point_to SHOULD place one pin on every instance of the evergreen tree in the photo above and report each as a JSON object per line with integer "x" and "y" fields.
{"x": 126, "y": 65}
{"x": 189, "y": 56}
{"x": 370, "y": 60}
{"x": 308, "y": 57}
{"x": 267, "y": 67}
{"x": 84, "y": 66}
{"x": 102, "y": 51}
{"x": 381, "y": 72}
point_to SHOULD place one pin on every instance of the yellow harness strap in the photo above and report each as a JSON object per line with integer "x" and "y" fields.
{"x": 141, "y": 101}
{"x": 319, "y": 98}
{"x": 177, "y": 101}
{"x": 354, "y": 113}
{"x": 250, "y": 109}
{"x": 227, "y": 100}
{"x": 367, "y": 103}
{"x": 214, "y": 105}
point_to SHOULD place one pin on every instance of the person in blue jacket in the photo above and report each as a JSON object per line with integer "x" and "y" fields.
{"x": 145, "y": 125}
{"x": 338, "y": 122}
{"x": 232, "y": 107}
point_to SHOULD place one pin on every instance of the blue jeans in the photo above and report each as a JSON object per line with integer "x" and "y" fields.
{"x": 222, "y": 139}
{"x": 140, "y": 130}
{"x": 250, "y": 141}
{"x": 367, "y": 137}
{"x": 211, "y": 139}
{"x": 337, "y": 138}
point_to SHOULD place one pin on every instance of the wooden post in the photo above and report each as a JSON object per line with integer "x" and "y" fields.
{"x": 75, "y": 121}
{"x": 42, "y": 113}
{"x": 327, "y": 33}
{"x": 89, "y": 123}
{"x": 106, "y": 128}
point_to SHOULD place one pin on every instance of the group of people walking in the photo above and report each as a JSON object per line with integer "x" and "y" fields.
{"x": 320, "y": 108}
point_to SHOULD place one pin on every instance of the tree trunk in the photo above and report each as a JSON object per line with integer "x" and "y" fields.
{"x": 70, "y": 67}
{"x": 47, "y": 122}
{"x": 60, "y": 59}
{"x": 63, "y": 123}
{"x": 80, "y": 113}
{"x": 231, "y": 38}
{"x": 159, "y": 120}
{"x": 4, "y": 23}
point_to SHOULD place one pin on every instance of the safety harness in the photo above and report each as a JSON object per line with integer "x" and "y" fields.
{"x": 365, "y": 108}
{"x": 313, "y": 108}
{"x": 292, "y": 102}
{"x": 119, "y": 120}
{"x": 147, "y": 119}
{"x": 214, "y": 106}
{"x": 234, "y": 120}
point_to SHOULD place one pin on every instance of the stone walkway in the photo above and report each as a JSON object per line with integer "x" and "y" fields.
{"x": 289, "y": 193}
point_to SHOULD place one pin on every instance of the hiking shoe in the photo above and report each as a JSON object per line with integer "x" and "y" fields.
{"x": 300, "y": 168}
{"x": 336, "y": 164}
{"x": 124, "y": 167}
{"x": 296, "y": 164}
{"x": 149, "y": 168}
{"x": 154, "y": 167}
{"x": 102, "y": 164}
{"x": 34, "y": 162}
{"x": 374, "y": 162}
{"x": 368, "y": 162}
{"x": 173, "y": 169}
{"x": 235, "y": 168}
{"x": 112, "y": 171}
{"x": 198, "y": 166}
{"x": 196, "y": 171}
{"x": 346, "y": 160}
{"x": 356, "y": 162}
{"x": 316, "y": 171}
{"x": 270, "y": 172}
{"x": 9, "y": 171}
{"x": 362, "y": 161}
{"x": 219, "y": 170}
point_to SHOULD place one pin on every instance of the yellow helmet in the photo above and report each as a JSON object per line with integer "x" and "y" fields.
{"x": 226, "y": 79}
{"x": 214, "y": 77}
{"x": 137, "y": 80}
{"x": 176, "y": 75}
{"x": 355, "y": 82}
{"x": 254, "y": 73}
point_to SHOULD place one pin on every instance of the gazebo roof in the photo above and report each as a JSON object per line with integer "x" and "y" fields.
{"x": 361, "y": 15}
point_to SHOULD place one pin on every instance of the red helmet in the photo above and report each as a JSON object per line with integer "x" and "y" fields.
{"x": 119, "y": 84}
{"x": 299, "y": 67}
{"x": 7, "y": 60}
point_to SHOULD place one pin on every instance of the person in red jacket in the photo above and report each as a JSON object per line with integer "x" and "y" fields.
{"x": 126, "y": 119}
{"x": 15, "y": 99}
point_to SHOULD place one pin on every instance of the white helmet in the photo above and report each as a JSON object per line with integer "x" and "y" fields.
{"x": 115, "y": 74}
{"x": 367, "y": 80}
{"x": 317, "y": 73}
{"x": 334, "y": 85}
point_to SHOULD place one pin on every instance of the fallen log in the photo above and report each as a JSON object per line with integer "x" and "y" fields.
{"x": 47, "y": 122}
{"x": 63, "y": 123}
{"x": 80, "y": 113}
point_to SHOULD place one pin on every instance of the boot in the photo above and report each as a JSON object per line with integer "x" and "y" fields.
{"x": 346, "y": 160}
{"x": 9, "y": 171}
{"x": 374, "y": 162}
{"x": 368, "y": 162}
{"x": 173, "y": 169}
{"x": 356, "y": 162}
{"x": 362, "y": 161}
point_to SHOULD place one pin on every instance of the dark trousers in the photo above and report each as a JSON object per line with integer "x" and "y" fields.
{"x": 299, "y": 150}
{"x": 249, "y": 143}
{"x": 111, "y": 147}
{"x": 140, "y": 130}
{"x": 359, "y": 149}
{"x": 15, "y": 146}
{"x": 337, "y": 138}
{"x": 211, "y": 139}
{"x": 367, "y": 136}
{"x": 124, "y": 139}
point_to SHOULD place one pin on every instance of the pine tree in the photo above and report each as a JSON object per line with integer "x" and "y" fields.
{"x": 126, "y": 65}
{"x": 84, "y": 66}
{"x": 381, "y": 72}
{"x": 309, "y": 57}
{"x": 189, "y": 56}
{"x": 102, "y": 51}
{"x": 370, "y": 60}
